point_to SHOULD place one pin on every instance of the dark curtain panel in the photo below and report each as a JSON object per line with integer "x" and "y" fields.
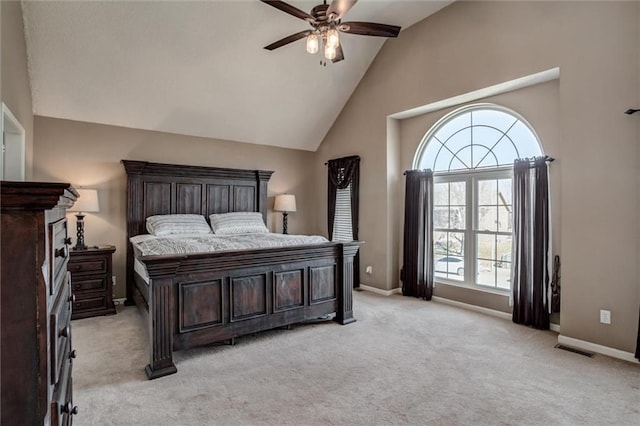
{"x": 530, "y": 272}
{"x": 342, "y": 172}
{"x": 417, "y": 263}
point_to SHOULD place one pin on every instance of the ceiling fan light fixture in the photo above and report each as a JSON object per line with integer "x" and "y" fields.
{"x": 312, "y": 43}
{"x": 333, "y": 39}
{"x": 329, "y": 52}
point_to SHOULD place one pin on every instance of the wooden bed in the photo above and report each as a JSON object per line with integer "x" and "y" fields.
{"x": 198, "y": 299}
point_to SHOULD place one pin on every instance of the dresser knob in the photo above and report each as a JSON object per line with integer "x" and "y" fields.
{"x": 72, "y": 298}
{"x": 67, "y": 241}
{"x": 70, "y": 408}
{"x": 60, "y": 252}
{"x": 65, "y": 332}
{"x": 73, "y": 354}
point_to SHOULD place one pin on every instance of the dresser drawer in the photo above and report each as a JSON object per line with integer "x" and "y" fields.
{"x": 62, "y": 407}
{"x": 60, "y": 331}
{"x": 59, "y": 253}
{"x": 85, "y": 284}
{"x": 98, "y": 266}
{"x": 97, "y": 301}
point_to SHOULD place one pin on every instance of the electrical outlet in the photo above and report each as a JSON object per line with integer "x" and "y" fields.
{"x": 369, "y": 269}
{"x": 605, "y": 316}
{"x": 113, "y": 280}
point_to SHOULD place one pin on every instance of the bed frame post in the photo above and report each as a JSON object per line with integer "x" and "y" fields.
{"x": 344, "y": 314}
{"x": 161, "y": 320}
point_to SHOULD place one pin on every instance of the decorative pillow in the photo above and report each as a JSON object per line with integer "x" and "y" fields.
{"x": 237, "y": 223}
{"x": 169, "y": 224}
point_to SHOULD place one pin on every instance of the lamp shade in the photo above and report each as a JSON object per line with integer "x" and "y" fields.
{"x": 87, "y": 201}
{"x": 285, "y": 203}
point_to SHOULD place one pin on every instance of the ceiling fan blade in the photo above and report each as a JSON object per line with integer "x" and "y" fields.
{"x": 369, "y": 29}
{"x": 287, "y": 40}
{"x": 339, "y": 54}
{"x": 291, "y": 10}
{"x": 338, "y": 8}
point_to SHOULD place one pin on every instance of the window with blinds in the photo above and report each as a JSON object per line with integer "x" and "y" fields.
{"x": 342, "y": 230}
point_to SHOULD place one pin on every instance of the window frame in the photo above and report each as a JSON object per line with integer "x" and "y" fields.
{"x": 471, "y": 178}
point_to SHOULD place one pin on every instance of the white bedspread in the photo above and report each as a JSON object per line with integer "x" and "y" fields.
{"x": 199, "y": 243}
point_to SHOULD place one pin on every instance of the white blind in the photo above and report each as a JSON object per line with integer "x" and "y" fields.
{"x": 342, "y": 222}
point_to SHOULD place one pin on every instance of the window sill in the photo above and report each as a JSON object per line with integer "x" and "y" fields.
{"x": 499, "y": 292}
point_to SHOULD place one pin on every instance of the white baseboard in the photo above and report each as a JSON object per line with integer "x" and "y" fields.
{"x": 594, "y": 347}
{"x": 475, "y": 308}
{"x": 487, "y": 311}
{"x": 380, "y": 291}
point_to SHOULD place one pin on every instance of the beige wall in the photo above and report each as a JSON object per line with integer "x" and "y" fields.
{"x": 471, "y": 45}
{"x": 89, "y": 155}
{"x": 16, "y": 90}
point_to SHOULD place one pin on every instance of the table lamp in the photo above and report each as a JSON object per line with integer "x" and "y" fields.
{"x": 285, "y": 203}
{"x": 87, "y": 203}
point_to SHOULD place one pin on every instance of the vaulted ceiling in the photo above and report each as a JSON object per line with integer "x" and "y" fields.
{"x": 198, "y": 68}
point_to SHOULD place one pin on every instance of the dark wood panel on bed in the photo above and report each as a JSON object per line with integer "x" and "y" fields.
{"x": 202, "y": 298}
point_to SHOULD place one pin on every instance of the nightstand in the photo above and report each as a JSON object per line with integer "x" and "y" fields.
{"x": 91, "y": 282}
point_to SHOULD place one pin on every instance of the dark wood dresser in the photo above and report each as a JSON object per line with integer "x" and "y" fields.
{"x": 35, "y": 304}
{"x": 91, "y": 281}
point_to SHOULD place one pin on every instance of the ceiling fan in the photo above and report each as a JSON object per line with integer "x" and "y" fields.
{"x": 326, "y": 23}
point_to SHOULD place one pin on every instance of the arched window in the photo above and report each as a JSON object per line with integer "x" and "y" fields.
{"x": 471, "y": 152}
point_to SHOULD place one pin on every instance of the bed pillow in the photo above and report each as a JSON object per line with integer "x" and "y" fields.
{"x": 237, "y": 223}
{"x": 171, "y": 224}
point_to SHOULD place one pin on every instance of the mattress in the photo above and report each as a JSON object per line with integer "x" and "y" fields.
{"x": 149, "y": 245}
{"x": 141, "y": 270}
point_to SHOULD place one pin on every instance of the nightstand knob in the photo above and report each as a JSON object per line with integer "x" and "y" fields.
{"x": 73, "y": 354}
{"x": 70, "y": 408}
{"x": 64, "y": 332}
{"x": 67, "y": 241}
{"x": 60, "y": 252}
{"x": 72, "y": 298}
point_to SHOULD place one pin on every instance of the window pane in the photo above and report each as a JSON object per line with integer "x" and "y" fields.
{"x": 457, "y": 218}
{"x": 458, "y": 193}
{"x": 505, "y": 219}
{"x": 486, "y": 273}
{"x": 487, "y": 218}
{"x": 486, "y": 246}
{"x": 441, "y": 194}
{"x": 440, "y": 217}
{"x": 505, "y": 187}
{"x": 448, "y": 255}
{"x": 486, "y": 259}
{"x": 487, "y": 193}
{"x": 503, "y": 262}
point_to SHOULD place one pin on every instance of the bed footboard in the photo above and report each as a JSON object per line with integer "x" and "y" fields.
{"x": 205, "y": 298}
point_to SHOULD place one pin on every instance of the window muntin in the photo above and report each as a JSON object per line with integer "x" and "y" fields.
{"x": 471, "y": 152}
{"x": 476, "y": 137}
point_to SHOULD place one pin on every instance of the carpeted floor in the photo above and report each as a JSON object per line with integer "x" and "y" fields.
{"x": 405, "y": 361}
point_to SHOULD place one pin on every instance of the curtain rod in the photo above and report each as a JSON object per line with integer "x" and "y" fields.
{"x": 350, "y": 157}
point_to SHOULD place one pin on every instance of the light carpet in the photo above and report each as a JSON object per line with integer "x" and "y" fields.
{"x": 405, "y": 361}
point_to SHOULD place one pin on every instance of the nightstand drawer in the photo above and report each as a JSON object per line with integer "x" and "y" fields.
{"x": 89, "y": 284}
{"x": 98, "y": 301}
{"x": 93, "y": 265}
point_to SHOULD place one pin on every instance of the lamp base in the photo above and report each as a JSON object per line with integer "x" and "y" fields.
{"x": 284, "y": 223}
{"x": 80, "y": 245}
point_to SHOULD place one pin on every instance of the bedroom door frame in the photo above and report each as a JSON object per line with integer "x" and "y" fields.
{"x": 12, "y": 152}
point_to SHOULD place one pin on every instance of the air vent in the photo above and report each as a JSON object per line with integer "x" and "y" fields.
{"x": 575, "y": 351}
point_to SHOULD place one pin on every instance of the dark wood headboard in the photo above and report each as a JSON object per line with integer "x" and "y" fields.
{"x": 156, "y": 188}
